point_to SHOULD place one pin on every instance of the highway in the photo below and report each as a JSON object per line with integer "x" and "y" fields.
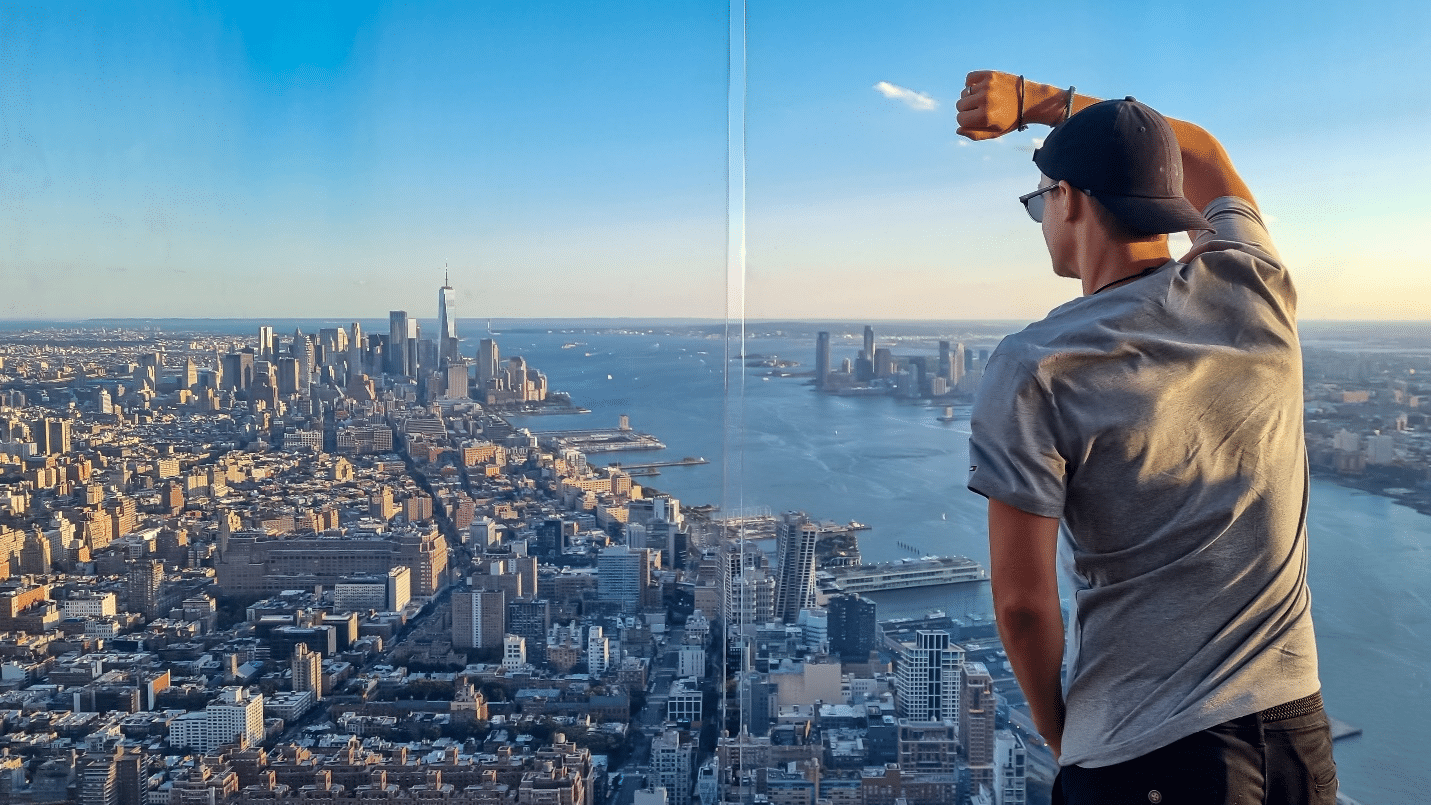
{"x": 1040, "y": 758}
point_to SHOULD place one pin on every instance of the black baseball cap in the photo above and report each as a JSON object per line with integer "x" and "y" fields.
{"x": 1127, "y": 156}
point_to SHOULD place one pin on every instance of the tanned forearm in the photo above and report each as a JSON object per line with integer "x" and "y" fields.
{"x": 1023, "y": 573}
{"x": 989, "y": 109}
{"x": 1033, "y": 640}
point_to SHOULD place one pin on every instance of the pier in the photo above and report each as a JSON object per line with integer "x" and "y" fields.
{"x": 685, "y": 462}
{"x": 600, "y": 440}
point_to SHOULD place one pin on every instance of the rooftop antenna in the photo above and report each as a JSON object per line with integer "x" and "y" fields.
{"x": 445, "y": 282}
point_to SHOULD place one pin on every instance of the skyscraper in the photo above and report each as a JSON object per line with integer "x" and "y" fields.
{"x": 1010, "y": 768}
{"x": 412, "y": 363}
{"x": 795, "y": 547}
{"x": 333, "y": 342}
{"x": 747, "y": 586}
{"x": 397, "y": 342}
{"x": 976, "y": 724}
{"x": 145, "y": 579}
{"x": 598, "y": 651}
{"x": 673, "y": 765}
{"x": 883, "y": 362}
{"x": 455, "y": 377}
{"x": 622, "y": 576}
{"x": 131, "y": 772}
{"x": 307, "y": 670}
{"x": 530, "y": 618}
{"x": 267, "y": 342}
{"x": 928, "y": 678}
{"x": 478, "y": 619}
{"x": 98, "y": 780}
{"x": 853, "y": 627}
{"x": 287, "y": 379}
{"x": 355, "y": 350}
{"x": 446, "y": 323}
{"x": 869, "y": 342}
{"x": 238, "y": 371}
{"x": 822, "y": 359}
{"x": 303, "y": 352}
{"x": 56, "y": 435}
{"x": 487, "y": 360}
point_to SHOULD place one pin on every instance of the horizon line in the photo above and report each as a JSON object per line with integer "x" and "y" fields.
{"x": 647, "y": 319}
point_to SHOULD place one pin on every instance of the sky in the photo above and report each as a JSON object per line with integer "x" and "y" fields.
{"x": 303, "y": 159}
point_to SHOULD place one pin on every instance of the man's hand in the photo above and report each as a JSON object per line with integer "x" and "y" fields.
{"x": 989, "y": 105}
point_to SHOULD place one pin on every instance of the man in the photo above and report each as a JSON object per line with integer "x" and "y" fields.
{"x": 1146, "y": 440}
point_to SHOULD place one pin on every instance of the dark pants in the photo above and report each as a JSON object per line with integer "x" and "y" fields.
{"x": 1266, "y": 758}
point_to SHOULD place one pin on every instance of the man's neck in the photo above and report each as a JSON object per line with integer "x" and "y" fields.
{"x": 1108, "y": 263}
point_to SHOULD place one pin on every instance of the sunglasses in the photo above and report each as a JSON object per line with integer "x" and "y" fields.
{"x": 1033, "y": 202}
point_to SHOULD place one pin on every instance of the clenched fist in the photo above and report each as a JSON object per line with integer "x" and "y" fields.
{"x": 991, "y": 103}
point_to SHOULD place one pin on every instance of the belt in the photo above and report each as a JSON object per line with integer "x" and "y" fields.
{"x": 1301, "y": 707}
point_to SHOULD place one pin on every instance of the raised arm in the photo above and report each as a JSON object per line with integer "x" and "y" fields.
{"x": 989, "y": 108}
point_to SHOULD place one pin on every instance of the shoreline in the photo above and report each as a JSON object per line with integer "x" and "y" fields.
{"x": 1418, "y": 500}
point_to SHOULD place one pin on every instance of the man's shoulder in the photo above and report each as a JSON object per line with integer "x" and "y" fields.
{"x": 1080, "y": 324}
{"x": 1239, "y": 229}
{"x": 1017, "y": 352}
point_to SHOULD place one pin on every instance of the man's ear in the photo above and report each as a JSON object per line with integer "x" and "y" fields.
{"x": 1075, "y": 205}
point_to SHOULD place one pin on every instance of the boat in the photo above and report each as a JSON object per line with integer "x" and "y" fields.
{"x": 948, "y": 415}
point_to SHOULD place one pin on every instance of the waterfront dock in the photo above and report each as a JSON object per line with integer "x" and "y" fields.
{"x": 600, "y": 440}
{"x": 652, "y": 465}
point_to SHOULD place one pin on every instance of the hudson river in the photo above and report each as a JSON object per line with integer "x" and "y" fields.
{"x": 890, "y": 464}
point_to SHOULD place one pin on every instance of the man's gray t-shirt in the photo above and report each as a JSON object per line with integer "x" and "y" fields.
{"x": 1161, "y": 420}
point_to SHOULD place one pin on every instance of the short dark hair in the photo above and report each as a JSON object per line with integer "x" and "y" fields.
{"x": 1116, "y": 229}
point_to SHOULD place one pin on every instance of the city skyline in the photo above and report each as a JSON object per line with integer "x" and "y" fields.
{"x": 229, "y": 161}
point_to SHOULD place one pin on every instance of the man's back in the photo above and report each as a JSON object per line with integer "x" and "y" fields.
{"x": 1161, "y": 420}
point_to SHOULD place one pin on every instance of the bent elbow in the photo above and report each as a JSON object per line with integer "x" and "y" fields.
{"x": 1020, "y": 606}
{"x": 1022, "y": 615}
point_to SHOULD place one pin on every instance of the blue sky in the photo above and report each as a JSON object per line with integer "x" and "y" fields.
{"x": 568, "y": 159}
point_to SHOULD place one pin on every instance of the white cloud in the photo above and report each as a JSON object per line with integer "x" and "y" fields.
{"x": 910, "y": 98}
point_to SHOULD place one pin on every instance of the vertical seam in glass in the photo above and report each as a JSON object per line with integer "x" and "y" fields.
{"x": 732, "y": 491}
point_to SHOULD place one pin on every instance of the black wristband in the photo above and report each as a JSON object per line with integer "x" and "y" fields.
{"x": 1020, "y": 124}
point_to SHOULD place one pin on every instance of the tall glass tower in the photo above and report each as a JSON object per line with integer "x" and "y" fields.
{"x": 397, "y": 342}
{"x": 446, "y": 323}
